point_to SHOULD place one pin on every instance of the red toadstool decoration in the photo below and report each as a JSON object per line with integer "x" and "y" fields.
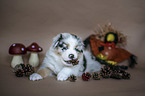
{"x": 17, "y": 50}
{"x": 34, "y": 48}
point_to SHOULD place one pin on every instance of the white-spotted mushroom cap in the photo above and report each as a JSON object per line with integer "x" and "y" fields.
{"x": 34, "y": 47}
{"x": 17, "y": 49}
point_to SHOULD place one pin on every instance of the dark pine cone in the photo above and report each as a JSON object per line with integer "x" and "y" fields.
{"x": 114, "y": 68}
{"x": 105, "y": 72}
{"x": 28, "y": 70}
{"x": 23, "y": 69}
{"x": 86, "y": 76}
{"x": 116, "y": 75}
{"x": 126, "y": 75}
{"x": 19, "y": 66}
{"x": 72, "y": 78}
{"x": 107, "y": 68}
{"x": 19, "y": 73}
{"x": 115, "y": 72}
{"x": 105, "y": 75}
{"x": 96, "y": 76}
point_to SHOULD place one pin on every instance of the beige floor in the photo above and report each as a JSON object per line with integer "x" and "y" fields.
{"x": 26, "y": 21}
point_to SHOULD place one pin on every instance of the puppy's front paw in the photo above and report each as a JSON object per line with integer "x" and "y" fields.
{"x": 35, "y": 77}
{"x": 62, "y": 77}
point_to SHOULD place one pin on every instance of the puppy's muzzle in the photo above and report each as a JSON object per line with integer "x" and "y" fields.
{"x": 73, "y": 62}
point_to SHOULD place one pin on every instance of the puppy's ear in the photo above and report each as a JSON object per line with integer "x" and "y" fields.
{"x": 57, "y": 39}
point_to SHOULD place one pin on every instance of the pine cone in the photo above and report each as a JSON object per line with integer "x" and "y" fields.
{"x": 72, "y": 78}
{"x": 126, "y": 75}
{"x": 19, "y": 66}
{"x": 28, "y": 70}
{"x": 19, "y": 73}
{"x": 116, "y": 75}
{"x": 105, "y": 72}
{"x": 23, "y": 69}
{"x": 96, "y": 76}
{"x": 86, "y": 76}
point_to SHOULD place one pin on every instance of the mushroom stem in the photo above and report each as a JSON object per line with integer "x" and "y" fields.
{"x": 34, "y": 59}
{"x": 17, "y": 59}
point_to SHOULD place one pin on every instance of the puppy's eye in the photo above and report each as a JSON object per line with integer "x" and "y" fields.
{"x": 60, "y": 45}
{"x": 63, "y": 46}
{"x": 78, "y": 49}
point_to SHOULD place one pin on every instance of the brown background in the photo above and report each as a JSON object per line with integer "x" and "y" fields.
{"x": 26, "y": 21}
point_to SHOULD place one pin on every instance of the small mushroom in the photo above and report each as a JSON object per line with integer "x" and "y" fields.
{"x": 34, "y": 48}
{"x": 17, "y": 50}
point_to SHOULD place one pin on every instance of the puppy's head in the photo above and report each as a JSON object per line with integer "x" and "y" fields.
{"x": 69, "y": 47}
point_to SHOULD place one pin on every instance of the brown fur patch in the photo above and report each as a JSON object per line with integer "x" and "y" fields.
{"x": 44, "y": 72}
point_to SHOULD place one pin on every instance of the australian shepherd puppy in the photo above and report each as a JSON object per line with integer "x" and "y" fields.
{"x": 66, "y": 57}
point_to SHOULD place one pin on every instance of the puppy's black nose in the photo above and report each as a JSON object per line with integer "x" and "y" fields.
{"x": 71, "y": 56}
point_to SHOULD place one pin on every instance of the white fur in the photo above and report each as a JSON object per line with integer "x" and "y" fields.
{"x": 55, "y": 59}
{"x": 35, "y": 76}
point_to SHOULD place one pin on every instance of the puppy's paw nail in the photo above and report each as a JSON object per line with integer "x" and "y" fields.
{"x": 35, "y": 77}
